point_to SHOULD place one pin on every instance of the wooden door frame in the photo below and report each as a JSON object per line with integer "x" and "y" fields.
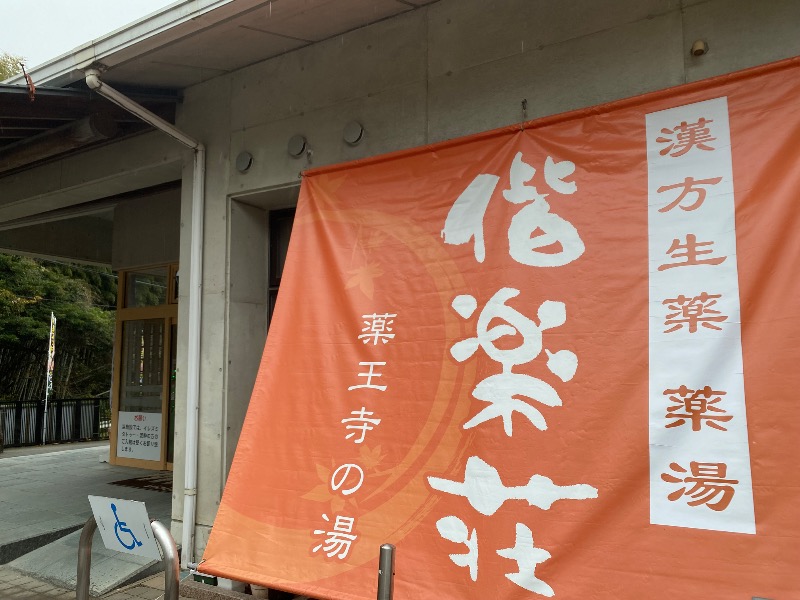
{"x": 168, "y": 313}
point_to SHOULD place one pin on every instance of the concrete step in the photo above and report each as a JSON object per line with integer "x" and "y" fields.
{"x": 203, "y": 591}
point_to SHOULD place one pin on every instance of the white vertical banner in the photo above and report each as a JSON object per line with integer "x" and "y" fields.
{"x": 48, "y": 382}
{"x": 699, "y": 454}
{"x": 51, "y": 354}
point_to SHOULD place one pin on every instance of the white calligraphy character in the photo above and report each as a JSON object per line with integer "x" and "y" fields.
{"x": 377, "y": 327}
{"x": 339, "y": 540}
{"x": 361, "y": 422}
{"x": 486, "y": 493}
{"x": 502, "y": 391}
{"x": 556, "y": 241}
{"x": 523, "y": 246}
{"x": 527, "y": 556}
{"x": 454, "y": 529}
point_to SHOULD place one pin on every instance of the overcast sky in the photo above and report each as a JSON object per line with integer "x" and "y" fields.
{"x": 40, "y": 30}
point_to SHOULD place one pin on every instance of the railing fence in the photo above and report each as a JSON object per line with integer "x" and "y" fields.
{"x": 68, "y": 420}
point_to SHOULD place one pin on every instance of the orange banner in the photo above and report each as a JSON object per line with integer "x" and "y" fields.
{"x": 551, "y": 360}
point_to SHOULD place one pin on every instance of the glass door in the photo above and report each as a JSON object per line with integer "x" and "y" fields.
{"x": 141, "y": 393}
{"x": 144, "y": 370}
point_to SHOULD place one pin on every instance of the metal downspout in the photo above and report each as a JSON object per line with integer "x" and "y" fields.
{"x": 195, "y": 293}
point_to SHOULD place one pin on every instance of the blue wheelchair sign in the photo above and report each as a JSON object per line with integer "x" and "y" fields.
{"x": 125, "y": 526}
{"x": 121, "y": 526}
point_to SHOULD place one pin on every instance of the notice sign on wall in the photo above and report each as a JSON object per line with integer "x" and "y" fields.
{"x": 553, "y": 360}
{"x": 139, "y": 435}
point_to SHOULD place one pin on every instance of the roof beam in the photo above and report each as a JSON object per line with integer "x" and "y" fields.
{"x": 84, "y": 131}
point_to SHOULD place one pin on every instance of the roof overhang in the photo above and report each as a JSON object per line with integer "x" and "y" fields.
{"x": 192, "y": 41}
{"x": 38, "y": 125}
{"x": 156, "y": 57}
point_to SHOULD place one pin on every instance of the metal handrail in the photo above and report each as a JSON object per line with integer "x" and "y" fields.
{"x": 386, "y": 572}
{"x": 85, "y": 559}
{"x": 168, "y": 548}
{"x": 171, "y": 560}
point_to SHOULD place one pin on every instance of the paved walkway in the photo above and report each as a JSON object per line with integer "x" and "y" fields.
{"x": 43, "y": 496}
{"x": 14, "y": 452}
{"x": 16, "y": 586}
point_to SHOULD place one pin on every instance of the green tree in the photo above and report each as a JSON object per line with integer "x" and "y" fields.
{"x": 9, "y": 65}
{"x": 29, "y": 291}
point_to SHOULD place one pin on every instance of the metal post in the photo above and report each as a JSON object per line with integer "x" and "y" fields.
{"x": 96, "y": 419}
{"x": 168, "y": 549}
{"x": 386, "y": 573}
{"x": 16, "y": 435}
{"x": 38, "y": 432}
{"x": 44, "y": 418}
{"x": 77, "y": 420}
{"x": 85, "y": 559}
{"x": 171, "y": 560}
{"x": 59, "y": 406}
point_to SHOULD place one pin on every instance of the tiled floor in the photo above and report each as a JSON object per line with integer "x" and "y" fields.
{"x": 148, "y": 589}
{"x": 16, "y": 586}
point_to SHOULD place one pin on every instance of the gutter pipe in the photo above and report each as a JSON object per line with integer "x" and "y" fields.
{"x": 195, "y": 291}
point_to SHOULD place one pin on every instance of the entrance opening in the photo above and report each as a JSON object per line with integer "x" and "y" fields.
{"x": 144, "y": 368}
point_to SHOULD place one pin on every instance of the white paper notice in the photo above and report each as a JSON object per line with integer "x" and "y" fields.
{"x": 139, "y": 435}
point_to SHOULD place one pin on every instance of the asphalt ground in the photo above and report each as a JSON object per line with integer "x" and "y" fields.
{"x": 43, "y": 497}
{"x": 50, "y": 448}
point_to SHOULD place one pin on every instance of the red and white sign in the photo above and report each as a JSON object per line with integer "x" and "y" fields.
{"x": 139, "y": 435}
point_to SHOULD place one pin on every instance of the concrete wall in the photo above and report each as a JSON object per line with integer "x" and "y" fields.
{"x": 147, "y": 230}
{"x": 57, "y": 208}
{"x": 85, "y": 240}
{"x": 123, "y": 232}
{"x": 205, "y": 115}
{"x": 451, "y": 69}
{"x": 135, "y": 163}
